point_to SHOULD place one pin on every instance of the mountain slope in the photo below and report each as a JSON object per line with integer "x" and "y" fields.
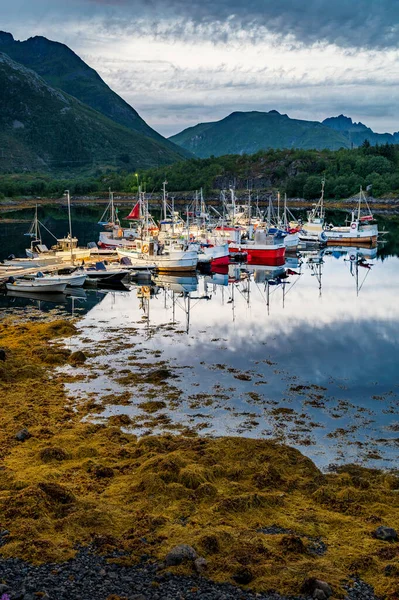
{"x": 63, "y": 69}
{"x": 248, "y": 132}
{"x": 357, "y": 133}
{"x": 44, "y": 128}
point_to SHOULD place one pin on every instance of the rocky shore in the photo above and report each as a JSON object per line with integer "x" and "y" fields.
{"x": 89, "y": 576}
{"x": 171, "y": 516}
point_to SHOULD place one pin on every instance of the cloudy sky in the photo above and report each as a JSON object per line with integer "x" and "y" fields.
{"x": 180, "y": 62}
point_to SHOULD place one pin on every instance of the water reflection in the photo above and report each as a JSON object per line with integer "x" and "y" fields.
{"x": 311, "y": 342}
{"x": 306, "y": 353}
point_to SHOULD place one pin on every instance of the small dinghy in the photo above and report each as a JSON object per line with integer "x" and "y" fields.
{"x": 75, "y": 279}
{"x": 41, "y": 285}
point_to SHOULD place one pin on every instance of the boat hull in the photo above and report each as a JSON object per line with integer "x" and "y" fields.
{"x": 34, "y": 286}
{"x": 176, "y": 261}
{"x": 273, "y": 255}
{"x": 352, "y": 241}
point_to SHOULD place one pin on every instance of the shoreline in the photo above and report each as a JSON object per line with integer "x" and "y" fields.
{"x": 246, "y": 505}
{"x": 378, "y": 205}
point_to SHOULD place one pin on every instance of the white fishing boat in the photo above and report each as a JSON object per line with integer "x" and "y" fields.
{"x": 117, "y": 236}
{"x": 162, "y": 254}
{"x": 65, "y": 250}
{"x": 360, "y": 231}
{"x": 40, "y": 285}
{"x": 162, "y": 257}
{"x": 313, "y": 229}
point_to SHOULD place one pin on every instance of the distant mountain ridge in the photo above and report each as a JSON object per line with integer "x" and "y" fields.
{"x": 249, "y": 132}
{"x": 43, "y": 128}
{"x": 357, "y": 133}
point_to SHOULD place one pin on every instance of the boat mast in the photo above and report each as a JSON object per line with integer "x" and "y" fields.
{"x": 278, "y": 209}
{"x": 111, "y": 201}
{"x": 164, "y": 199}
{"x": 360, "y": 200}
{"x": 285, "y": 221}
{"x": 36, "y": 225}
{"x": 323, "y": 183}
{"x": 233, "y": 203}
{"x": 249, "y": 205}
{"x": 70, "y": 220}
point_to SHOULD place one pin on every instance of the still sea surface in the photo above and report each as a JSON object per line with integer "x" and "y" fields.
{"x": 310, "y": 359}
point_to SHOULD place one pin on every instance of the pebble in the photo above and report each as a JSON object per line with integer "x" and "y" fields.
{"x": 89, "y": 576}
{"x": 22, "y": 435}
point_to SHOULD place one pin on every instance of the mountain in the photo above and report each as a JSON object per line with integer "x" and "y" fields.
{"x": 357, "y": 133}
{"x": 62, "y": 69}
{"x": 248, "y": 132}
{"x": 44, "y": 128}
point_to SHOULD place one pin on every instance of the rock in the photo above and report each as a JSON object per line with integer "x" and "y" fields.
{"x": 22, "y": 435}
{"x": 319, "y": 595}
{"x": 179, "y": 554}
{"x": 387, "y": 534}
{"x": 3, "y": 355}
{"x": 319, "y": 589}
{"x": 200, "y": 565}
{"x": 77, "y": 358}
{"x": 243, "y": 576}
{"x": 138, "y": 597}
{"x": 3, "y": 588}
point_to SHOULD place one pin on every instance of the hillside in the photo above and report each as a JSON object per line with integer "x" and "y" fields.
{"x": 61, "y": 68}
{"x": 249, "y": 132}
{"x": 43, "y": 128}
{"x": 357, "y": 133}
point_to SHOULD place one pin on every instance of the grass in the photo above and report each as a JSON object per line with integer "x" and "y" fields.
{"x": 74, "y": 482}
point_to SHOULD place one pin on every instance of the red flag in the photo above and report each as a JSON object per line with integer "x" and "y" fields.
{"x": 134, "y": 214}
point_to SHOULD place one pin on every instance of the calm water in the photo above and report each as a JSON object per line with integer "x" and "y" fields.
{"x": 311, "y": 360}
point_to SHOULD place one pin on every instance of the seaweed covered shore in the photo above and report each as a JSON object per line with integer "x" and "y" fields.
{"x": 260, "y": 513}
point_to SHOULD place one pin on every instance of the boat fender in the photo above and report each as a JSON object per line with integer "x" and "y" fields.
{"x": 145, "y": 248}
{"x": 353, "y": 226}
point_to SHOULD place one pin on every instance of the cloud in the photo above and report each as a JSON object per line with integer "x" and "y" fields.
{"x": 359, "y": 23}
{"x": 179, "y": 62}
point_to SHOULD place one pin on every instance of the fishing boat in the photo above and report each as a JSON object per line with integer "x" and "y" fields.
{"x": 264, "y": 249}
{"x": 312, "y": 230}
{"x": 291, "y": 238}
{"x": 65, "y": 250}
{"x": 150, "y": 254}
{"x": 161, "y": 253}
{"x": 360, "y": 232}
{"x": 118, "y": 236}
{"x": 109, "y": 217}
{"x": 36, "y": 285}
{"x": 218, "y": 255}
